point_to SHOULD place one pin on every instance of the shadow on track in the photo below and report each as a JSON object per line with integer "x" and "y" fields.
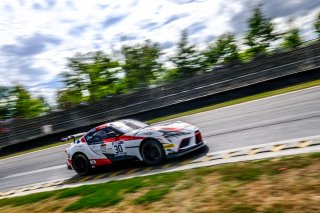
{"x": 130, "y": 167}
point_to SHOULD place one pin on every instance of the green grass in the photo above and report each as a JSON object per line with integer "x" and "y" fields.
{"x": 203, "y": 109}
{"x": 101, "y": 198}
{"x": 26, "y": 200}
{"x": 286, "y": 163}
{"x": 276, "y": 208}
{"x": 152, "y": 195}
{"x": 315, "y": 155}
{"x": 240, "y": 100}
{"x": 156, "y": 187}
{"x": 242, "y": 208}
{"x": 243, "y": 172}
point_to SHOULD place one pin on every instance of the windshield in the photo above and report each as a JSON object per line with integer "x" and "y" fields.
{"x": 126, "y": 126}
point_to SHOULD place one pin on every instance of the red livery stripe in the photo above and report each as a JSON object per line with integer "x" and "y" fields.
{"x": 108, "y": 140}
{"x": 129, "y": 138}
{"x": 122, "y": 138}
{"x": 101, "y": 127}
{"x": 170, "y": 129}
{"x": 102, "y": 162}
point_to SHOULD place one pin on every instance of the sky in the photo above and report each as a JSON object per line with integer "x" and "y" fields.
{"x": 37, "y": 36}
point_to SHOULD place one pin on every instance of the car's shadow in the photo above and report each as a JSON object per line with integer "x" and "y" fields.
{"x": 128, "y": 167}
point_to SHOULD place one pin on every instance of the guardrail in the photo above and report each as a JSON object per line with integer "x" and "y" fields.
{"x": 238, "y": 76}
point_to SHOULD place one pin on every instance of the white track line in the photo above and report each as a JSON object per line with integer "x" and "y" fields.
{"x": 34, "y": 152}
{"x": 35, "y": 171}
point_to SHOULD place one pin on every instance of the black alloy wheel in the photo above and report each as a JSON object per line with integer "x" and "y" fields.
{"x": 152, "y": 152}
{"x": 81, "y": 164}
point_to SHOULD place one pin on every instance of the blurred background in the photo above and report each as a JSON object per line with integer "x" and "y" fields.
{"x": 58, "y": 54}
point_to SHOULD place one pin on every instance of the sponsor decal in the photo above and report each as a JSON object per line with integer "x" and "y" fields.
{"x": 119, "y": 148}
{"x": 147, "y": 133}
{"x": 167, "y": 146}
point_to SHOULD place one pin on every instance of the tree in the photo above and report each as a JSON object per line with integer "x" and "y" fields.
{"x": 141, "y": 64}
{"x": 93, "y": 73}
{"x": 292, "y": 39}
{"x": 5, "y": 109}
{"x": 317, "y": 25}
{"x": 223, "y": 51}
{"x": 260, "y": 33}
{"x": 187, "y": 59}
{"x": 24, "y": 105}
{"x": 69, "y": 98}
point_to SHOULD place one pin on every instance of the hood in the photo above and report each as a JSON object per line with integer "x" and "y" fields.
{"x": 161, "y": 129}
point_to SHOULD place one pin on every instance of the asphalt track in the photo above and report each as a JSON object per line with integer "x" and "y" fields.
{"x": 288, "y": 116}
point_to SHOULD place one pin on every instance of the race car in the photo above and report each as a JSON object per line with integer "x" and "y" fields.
{"x": 132, "y": 140}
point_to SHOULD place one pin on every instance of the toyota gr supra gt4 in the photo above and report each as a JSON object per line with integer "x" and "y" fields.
{"x": 132, "y": 140}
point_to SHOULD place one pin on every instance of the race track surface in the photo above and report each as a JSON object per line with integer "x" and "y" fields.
{"x": 283, "y": 117}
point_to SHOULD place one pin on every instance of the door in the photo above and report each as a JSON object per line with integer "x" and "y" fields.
{"x": 98, "y": 140}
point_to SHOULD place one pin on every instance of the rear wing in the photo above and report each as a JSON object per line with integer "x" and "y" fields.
{"x": 73, "y": 137}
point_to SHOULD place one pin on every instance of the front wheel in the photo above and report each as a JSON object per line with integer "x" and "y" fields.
{"x": 152, "y": 152}
{"x": 81, "y": 164}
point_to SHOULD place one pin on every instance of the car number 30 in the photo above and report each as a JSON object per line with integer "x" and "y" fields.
{"x": 119, "y": 148}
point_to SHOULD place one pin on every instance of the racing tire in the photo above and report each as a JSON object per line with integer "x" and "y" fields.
{"x": 152, "y": 152}
{"x": 81, "y": 165}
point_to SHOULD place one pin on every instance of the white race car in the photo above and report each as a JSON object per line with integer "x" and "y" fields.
{"x": 131, "y": 140}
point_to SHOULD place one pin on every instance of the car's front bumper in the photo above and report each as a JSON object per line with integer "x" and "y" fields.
{"x": 188, "y": 150}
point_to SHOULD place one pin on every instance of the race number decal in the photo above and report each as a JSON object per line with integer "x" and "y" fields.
{"x": 119, "y": 148}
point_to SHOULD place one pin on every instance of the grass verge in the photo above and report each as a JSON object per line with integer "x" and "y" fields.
{"x": 203, "y": 109}
{"x": 287, "y": 184}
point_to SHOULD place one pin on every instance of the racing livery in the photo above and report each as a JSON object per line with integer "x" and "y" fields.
{"x": 130, "y": 140}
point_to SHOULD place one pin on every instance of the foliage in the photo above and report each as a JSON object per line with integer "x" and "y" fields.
{"x": 317, "y": 25}
{"x": 223, "y": 51}
{"x": 24, "y": 105}
{"x": 94, "y": 73}
{"x": 260, "y": 33}
{"x": 94, "y": 76}
{"x": 141, "y": 64}
{"x": 292, "y": 39}
{"x": 69, "y": 98}
{"x": 17, "y": 102}
{"x": 188, "y": 60}
{"x": 170, "y": 75}
{"x": 5, "y": 109}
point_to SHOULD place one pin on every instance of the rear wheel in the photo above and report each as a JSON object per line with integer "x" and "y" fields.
{"x": 152, "y": 152}
{"x": 81, "y": 164}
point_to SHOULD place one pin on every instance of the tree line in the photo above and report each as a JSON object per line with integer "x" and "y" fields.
{"x": 94, "y": 76}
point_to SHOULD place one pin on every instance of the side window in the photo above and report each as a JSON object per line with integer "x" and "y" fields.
{"x": 89, "y": 137}
{"x": 99, "y": 136}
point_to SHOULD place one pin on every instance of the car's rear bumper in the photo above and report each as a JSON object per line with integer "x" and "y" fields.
{"x": 188, "y": 150}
